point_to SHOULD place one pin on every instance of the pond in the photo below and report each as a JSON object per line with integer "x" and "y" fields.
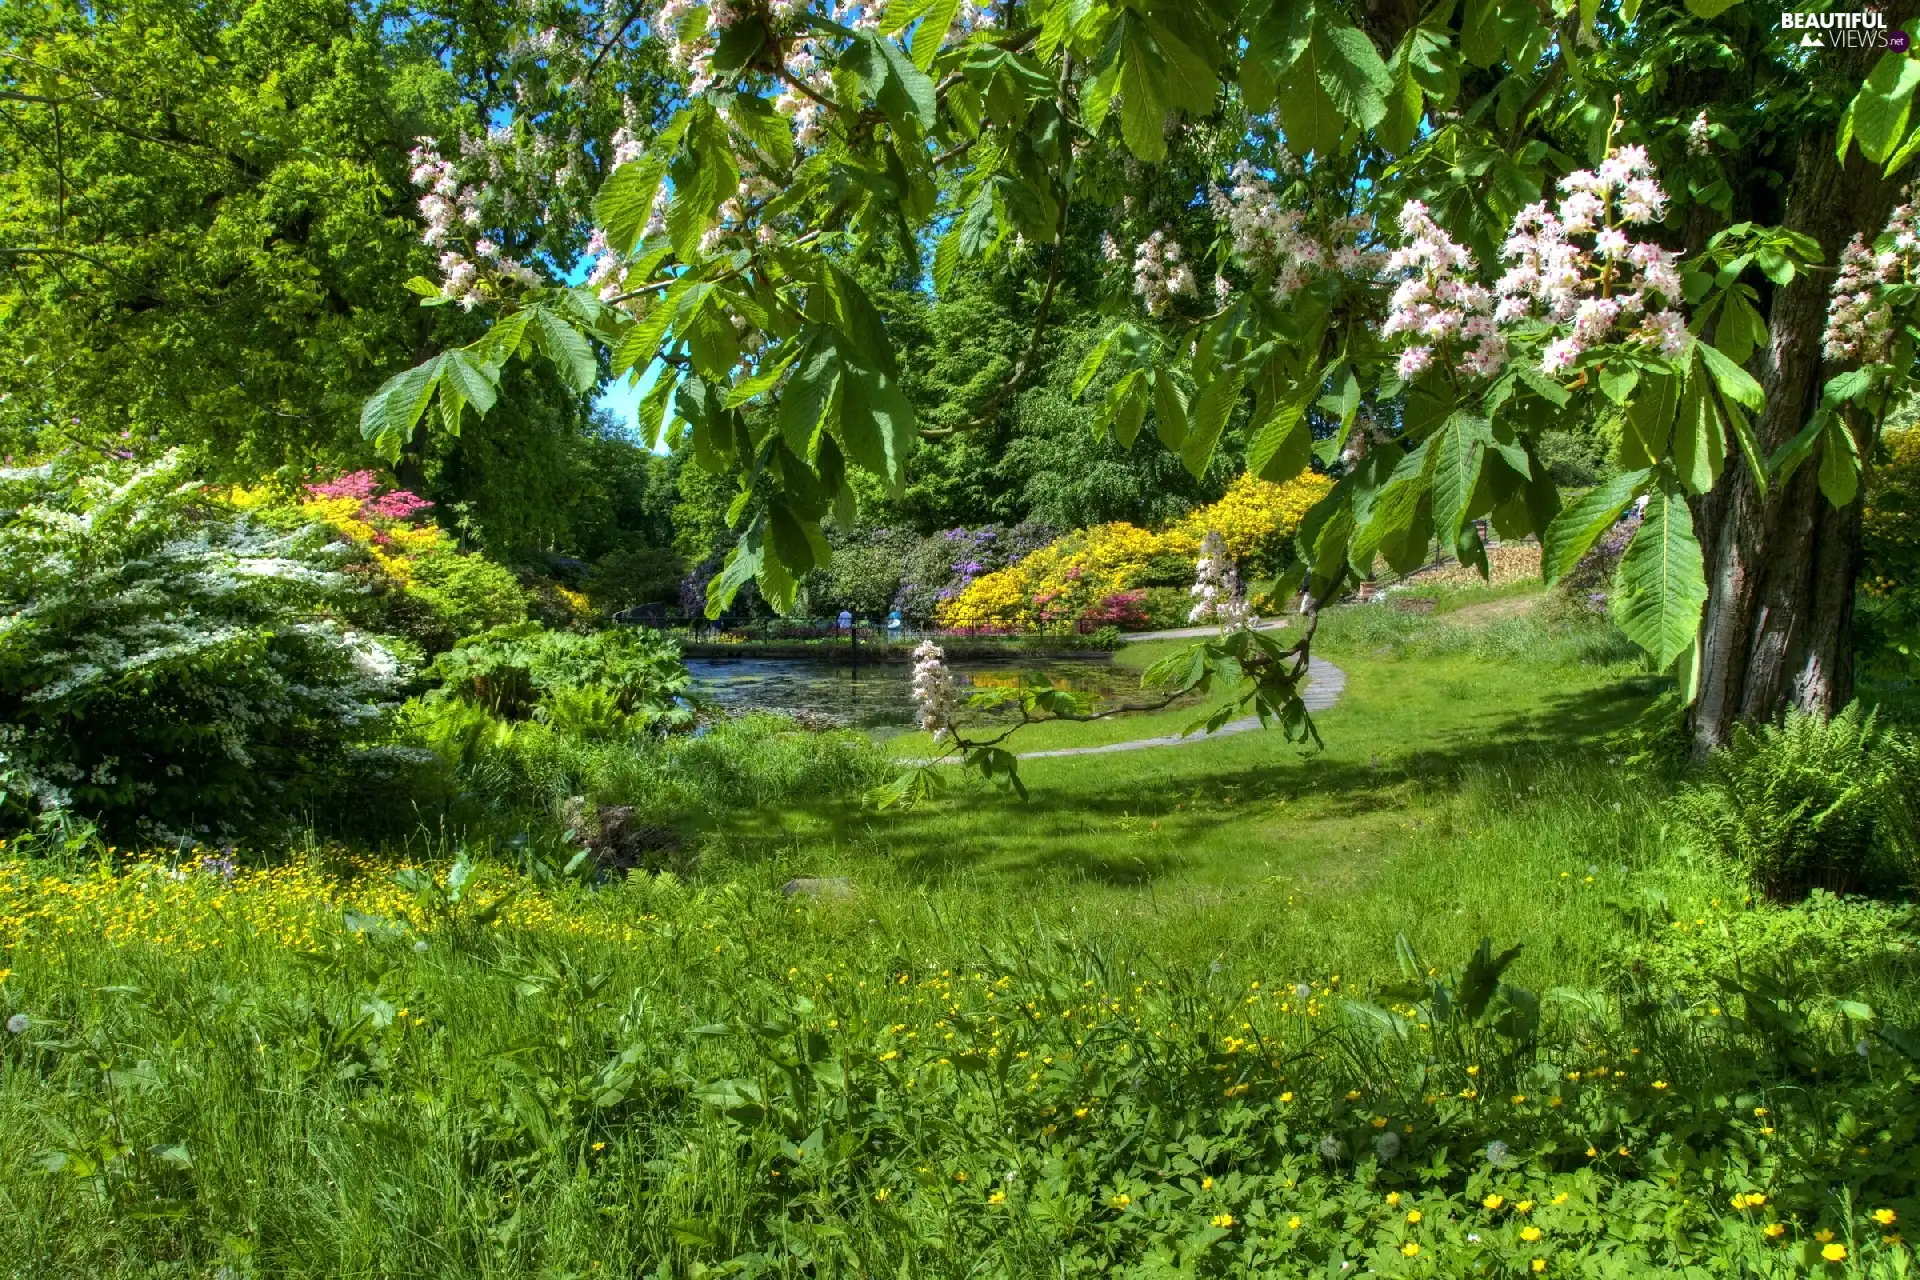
{"x": 879, "y": 697}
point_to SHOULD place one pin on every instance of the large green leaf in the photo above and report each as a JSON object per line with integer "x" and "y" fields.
{"x": 1189, "y": 83}
{"x": 908, "y": 93}
{"x": 1661, "y": 583}
{"x": 741, "y": 567}
{"x": 877, "y": 425}
{"x": 566, "y": 346}
{"x": 1281, "y": 447}
{"x": 642, "y": 342}
{"x": 1308, "y": 115}
{"x": 1735, "y": 383}
{"x": 1352, "y": 73}
{"x": 932, "y": 31}
{"x": 1574, "y": 530}
{"x": 1126, "y": 407}
{"x": 475, "y": 383}
{"x": 1275, "y": 41}
{"x": 1883, "y": 105}
{"x": 808, "y": 393}
{"x": 1839, "y": 462}
{"x": 389, "y": 416}
{"x": 1169, "y": 412}
{"x": 1210, "y": 413}
{"x": 1143, "y": 105}
{"x": 1699, "y": 436}
{"x": 1649, "y": 420}
{"x": 1454, "y": 464}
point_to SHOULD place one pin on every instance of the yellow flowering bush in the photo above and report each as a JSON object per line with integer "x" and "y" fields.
{"x": 1060, "y": 582}
{"x": 1255, "y": 517}
{"x": 425, "y": 587}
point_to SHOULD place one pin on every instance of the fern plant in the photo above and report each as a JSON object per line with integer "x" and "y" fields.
{"x": 1811, "y": 804}
{"x": 167, "y": 666}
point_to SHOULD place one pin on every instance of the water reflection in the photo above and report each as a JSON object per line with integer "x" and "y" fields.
{"x": 879, "y": 696}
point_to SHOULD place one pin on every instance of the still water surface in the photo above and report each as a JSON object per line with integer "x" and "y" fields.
{"x": 879, "y": 697}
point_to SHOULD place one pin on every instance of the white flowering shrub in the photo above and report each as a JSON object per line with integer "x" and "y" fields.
{"x": 168, "y": 666}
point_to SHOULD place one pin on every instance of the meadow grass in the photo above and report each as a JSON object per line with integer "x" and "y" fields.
{"x": 1050, "y": 1038}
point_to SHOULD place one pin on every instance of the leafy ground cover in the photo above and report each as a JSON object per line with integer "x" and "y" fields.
{"x": 1259, "y": 1039}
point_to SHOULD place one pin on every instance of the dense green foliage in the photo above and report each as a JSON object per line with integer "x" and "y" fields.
{"x": 1813, "y": 803}
{"x": 169, "y": 667}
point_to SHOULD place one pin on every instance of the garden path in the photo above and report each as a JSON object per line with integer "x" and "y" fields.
{"x": 1324, "y": 684}
{"x": 1194, "y": 633}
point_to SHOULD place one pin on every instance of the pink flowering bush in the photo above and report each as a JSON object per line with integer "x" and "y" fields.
{"x": 418, "y": 583}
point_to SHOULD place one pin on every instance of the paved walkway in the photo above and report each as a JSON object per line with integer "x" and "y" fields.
{"x": 1324, "y": 685}
{"x": 1195, "y": 633}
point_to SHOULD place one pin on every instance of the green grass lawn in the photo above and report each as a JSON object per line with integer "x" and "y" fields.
{"x": 1241, "y": 807}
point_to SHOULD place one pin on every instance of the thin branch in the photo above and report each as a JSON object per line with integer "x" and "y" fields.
{"x": 732, "y": 273}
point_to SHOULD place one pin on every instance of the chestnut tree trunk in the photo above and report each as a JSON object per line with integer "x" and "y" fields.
{"x": 1781, "y": 567}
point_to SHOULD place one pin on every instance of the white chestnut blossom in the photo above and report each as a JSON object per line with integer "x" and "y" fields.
{"x": 1216, "y": 588}
{"x": 1699, "y": 136}
{"x": 934, "y": 690}
{"x": 1859, "y": 312}
{"x": 1610, "y": 288}
{"x": 1437, "y": 303}
{"x": 1270, "y": 238}
{"x": 448, "y": 208}
{"x": 1160, "y": 275}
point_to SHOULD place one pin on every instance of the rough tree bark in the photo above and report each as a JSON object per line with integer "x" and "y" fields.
{"x": 1778, "y": 631}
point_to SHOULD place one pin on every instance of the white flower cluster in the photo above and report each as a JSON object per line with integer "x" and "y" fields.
{"x": 1598, "y": 288}
{"x": 1859, "y": 315}
{"x": 1438, "y": 301}
{"x": 450, "y": 210}
{"x": 1269, "y": 237}
{"x": 1160, "y": 275}
{"x": 1216, "y": 588}
{"x": 1700, "y": 136}
{"x": 933, "y": 690}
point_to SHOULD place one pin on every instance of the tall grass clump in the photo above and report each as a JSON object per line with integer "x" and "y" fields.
{"x": 1549, "y": 634}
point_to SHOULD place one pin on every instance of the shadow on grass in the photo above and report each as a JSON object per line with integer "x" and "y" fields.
{"x": 1134, "y": 819}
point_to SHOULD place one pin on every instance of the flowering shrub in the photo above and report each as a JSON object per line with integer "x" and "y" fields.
{"x": 1064, "y": 580}
{"x": 943, "y": 564}
{"x": 166, "y": 665}
{"x": 1256, "y": 517}
{"x": 420, "y": 584}
{"x": 1124, "y": 609}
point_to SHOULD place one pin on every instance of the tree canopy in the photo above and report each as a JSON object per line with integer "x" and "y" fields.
{"x": 1444, "y": 228}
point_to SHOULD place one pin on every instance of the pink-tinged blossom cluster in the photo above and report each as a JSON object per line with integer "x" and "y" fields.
{"x": 1159, "y": 273}
{"x": 1577, "y": 268}
{"x": 1700, "y": 136}
{"x": 1216, "y": 588}
{"x": 1437, "y": 303}
{"x": 363, "y": 487}
{"x": 452, "y": 213}
{"x": 1859, "y": 313}
{"x": 1269, "y": 238}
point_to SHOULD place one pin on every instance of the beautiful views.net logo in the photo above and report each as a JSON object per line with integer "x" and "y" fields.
{"x": 1864, "y": 30}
